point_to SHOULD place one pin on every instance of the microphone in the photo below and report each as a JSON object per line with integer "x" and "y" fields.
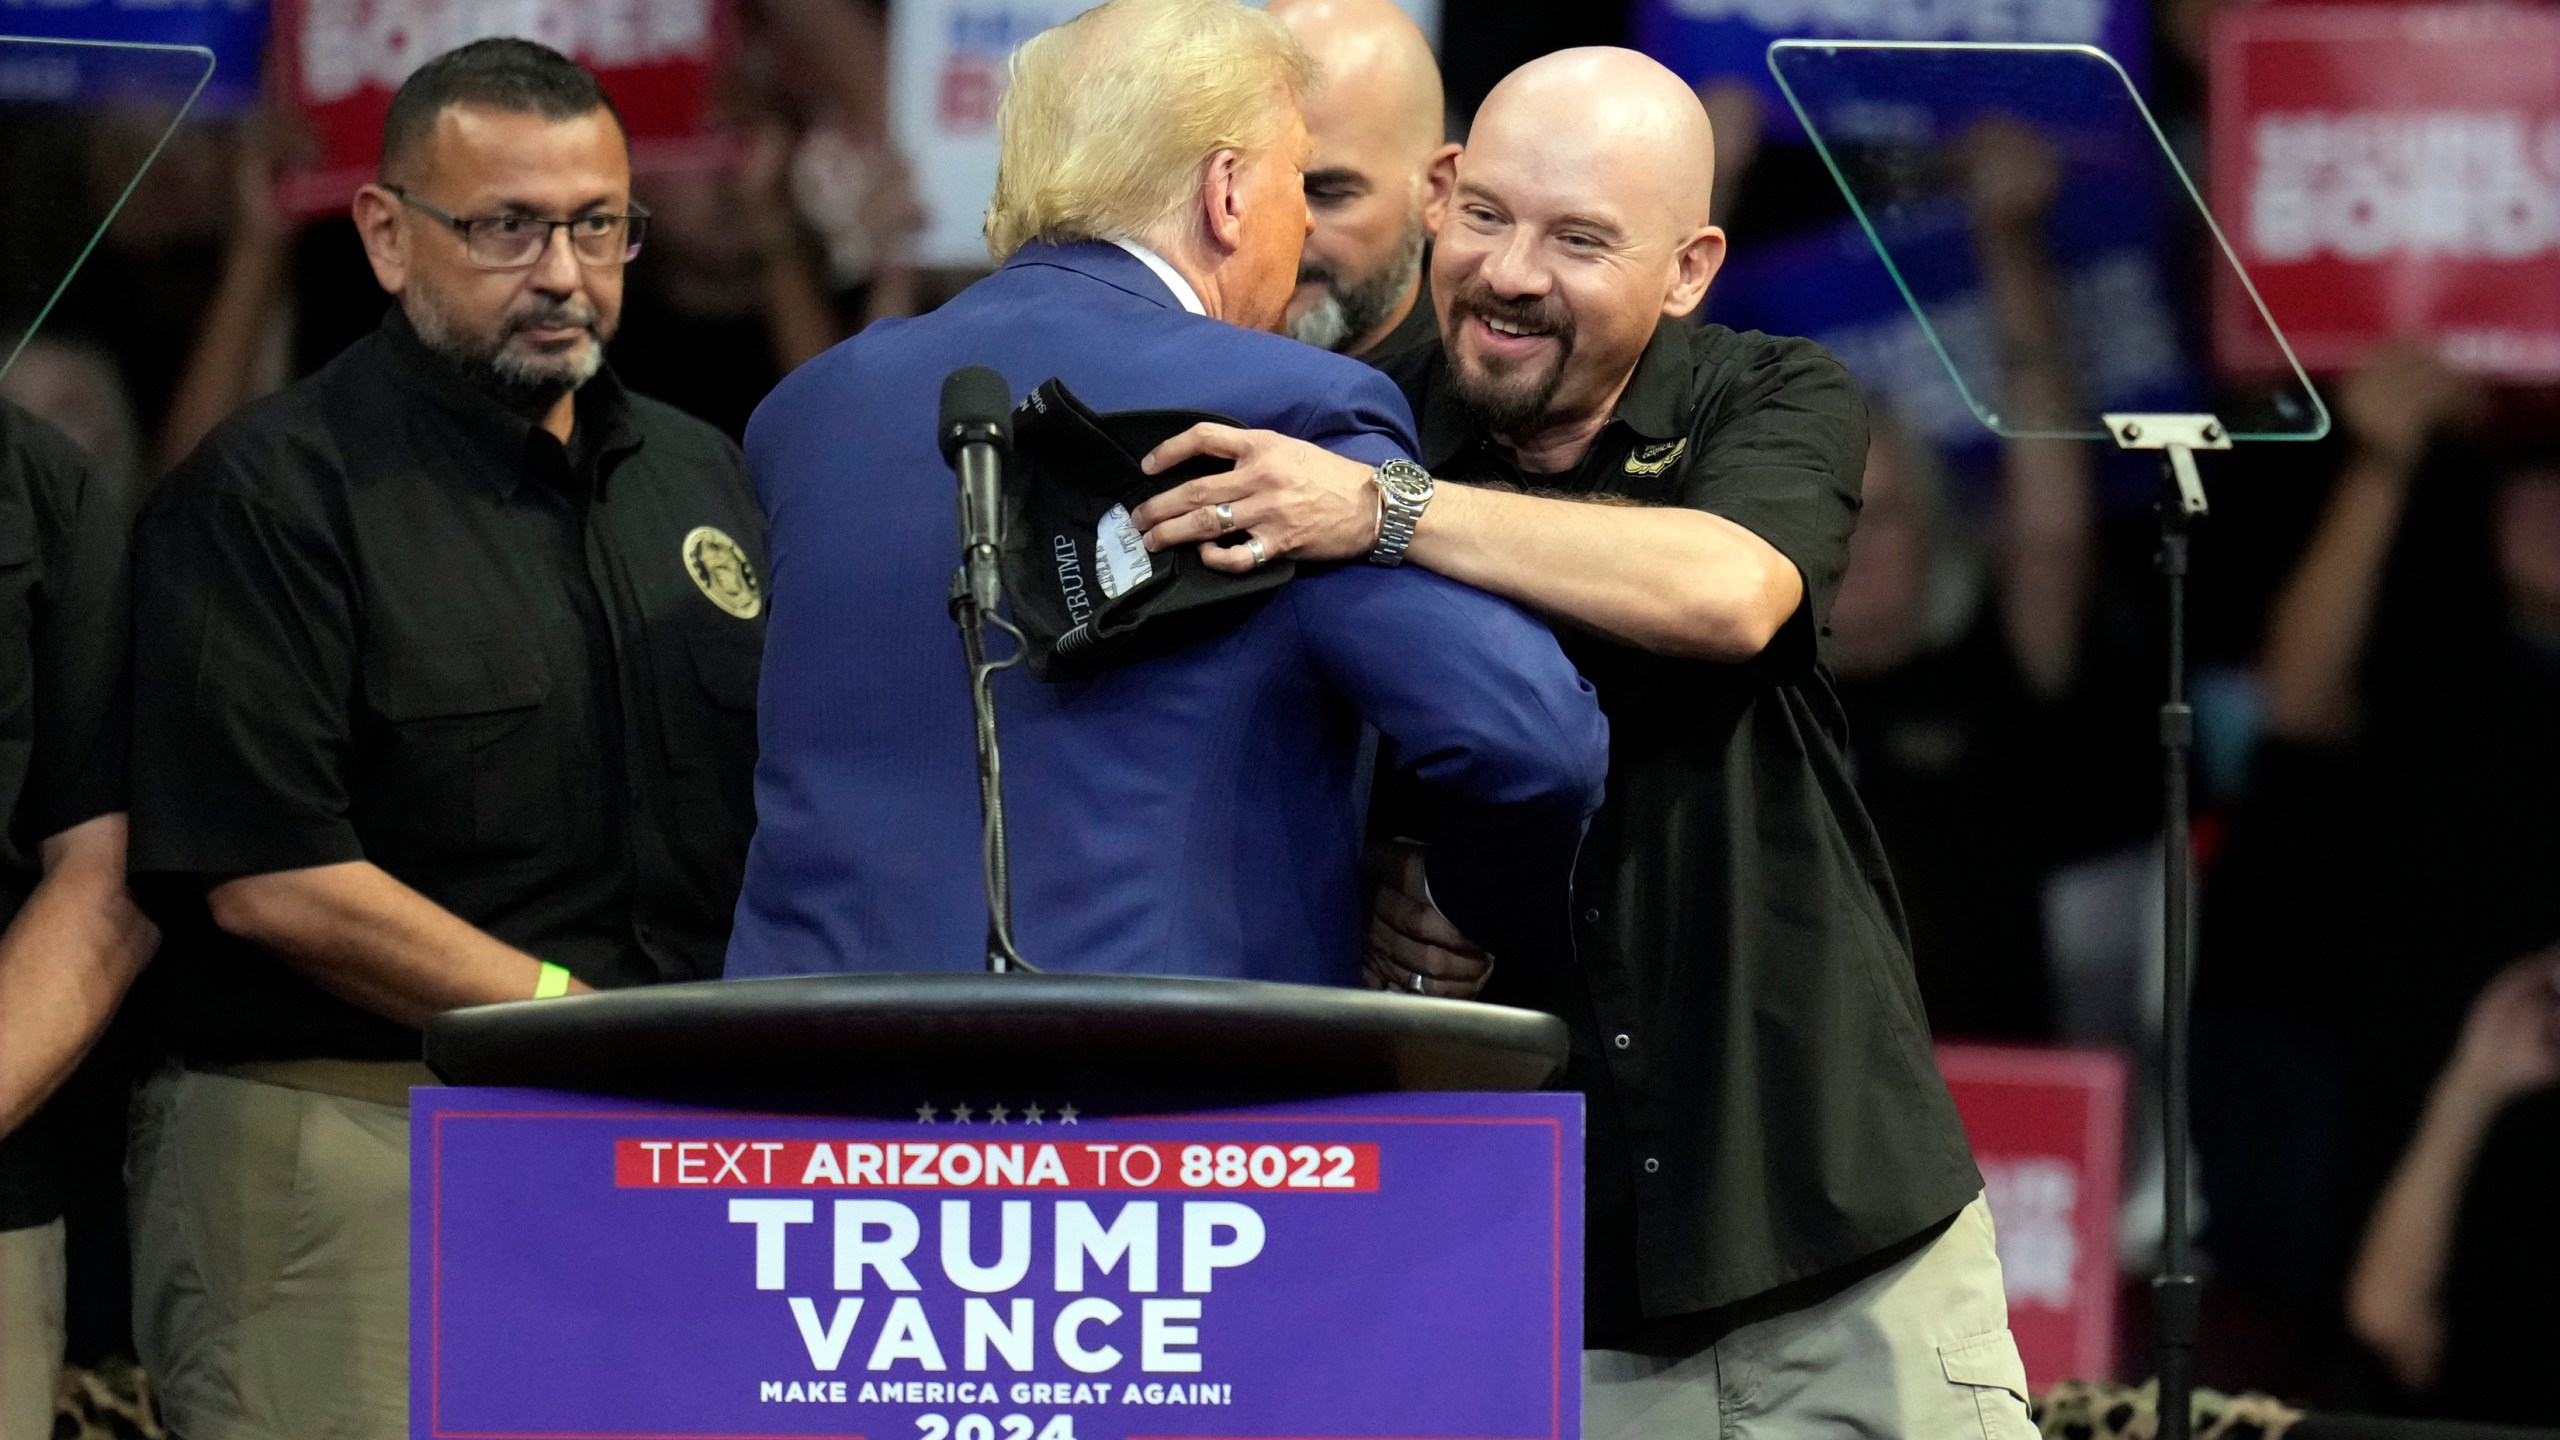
{"x": 977, "y": 437}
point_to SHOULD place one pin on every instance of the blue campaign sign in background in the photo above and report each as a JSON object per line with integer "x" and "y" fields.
{"x": 234, "y": 30}
{"x": 1831, "y": 287}
{"x": 1710, "y": 39}
{"x": 1378, "y": 1266}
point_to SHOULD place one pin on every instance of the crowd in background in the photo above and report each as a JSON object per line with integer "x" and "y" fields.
{"x": 2376, "y": 628}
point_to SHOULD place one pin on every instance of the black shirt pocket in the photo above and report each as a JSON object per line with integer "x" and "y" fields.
{"x": 469, "y": 768}
{"x": 727, "y": 661}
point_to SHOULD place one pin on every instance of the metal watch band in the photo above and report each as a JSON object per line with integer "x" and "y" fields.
{"x": 1403, "y": 489}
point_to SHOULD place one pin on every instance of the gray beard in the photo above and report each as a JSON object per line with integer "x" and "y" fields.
{"x": 1347, "y": 313}
{"x": 528, "y": 385}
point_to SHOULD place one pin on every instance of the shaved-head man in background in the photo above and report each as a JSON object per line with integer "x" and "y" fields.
{"x": 1378, "y": 123}
{"x": 1786, "y": 1234}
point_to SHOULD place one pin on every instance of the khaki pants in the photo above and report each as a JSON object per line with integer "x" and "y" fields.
{"x": 271, "y": 1259}
{"x": 1920, "y": 1350}
{"x": 31, "y": 1279}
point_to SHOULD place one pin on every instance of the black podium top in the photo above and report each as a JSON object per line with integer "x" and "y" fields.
{"x": 813, "y": 1040}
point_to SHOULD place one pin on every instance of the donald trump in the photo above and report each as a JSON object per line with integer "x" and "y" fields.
{"x": 1194, "y": 812}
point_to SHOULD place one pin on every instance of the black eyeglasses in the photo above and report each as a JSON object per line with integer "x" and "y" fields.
{"x": 512, "y": 242}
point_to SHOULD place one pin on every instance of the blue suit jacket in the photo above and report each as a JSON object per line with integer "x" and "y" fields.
{"x": 1195, "y": 813}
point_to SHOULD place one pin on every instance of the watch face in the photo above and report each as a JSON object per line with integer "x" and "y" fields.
{"x": 1404, "y": 480}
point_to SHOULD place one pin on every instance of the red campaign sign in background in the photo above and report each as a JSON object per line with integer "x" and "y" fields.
{"x": 1017, "y": 1165}
{"x": 2390, "y": 170}
{"x": 2047, "y": 1128}
{"x": 340, "y": 60}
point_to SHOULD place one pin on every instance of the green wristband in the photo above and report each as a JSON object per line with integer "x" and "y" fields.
{"x": 551, "y": 982}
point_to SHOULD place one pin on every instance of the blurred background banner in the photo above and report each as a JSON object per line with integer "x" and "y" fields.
{"x": 340, "y": 60}
{"x": 1706, "y": 39}
{"x": 2047, "y": 1128}
{"x": 2391, "y": 171}
{"x": 1830, "y": 287}
{"x": 234, "y": 30}
{"x": 946, "y": 73}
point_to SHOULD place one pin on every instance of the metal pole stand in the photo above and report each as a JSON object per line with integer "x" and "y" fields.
{"x": 997, "y": 862}
{"x": 2176, "y": 1295}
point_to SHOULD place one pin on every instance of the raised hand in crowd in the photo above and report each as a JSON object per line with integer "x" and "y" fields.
{"x": 798, "y": 312}
{"x": 2392, "y": 408}
{"x": 849, "y": 178}
{"x": 2510, "y": 1046}
{"x": 1740, "y": 118}
{"x": 2047, "y": 516}
{"x": 237, "y": 353}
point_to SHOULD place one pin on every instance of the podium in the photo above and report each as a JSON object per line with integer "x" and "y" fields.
{"x": 995, "y": 1207}
{"x": 801, "y": 1038}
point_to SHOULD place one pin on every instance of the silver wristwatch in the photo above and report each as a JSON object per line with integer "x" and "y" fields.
{"x": 1403, "y": 489}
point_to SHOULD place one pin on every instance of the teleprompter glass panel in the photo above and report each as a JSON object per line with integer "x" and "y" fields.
{"x": 1954, "y": 157}
{"x": 80, "y": 121}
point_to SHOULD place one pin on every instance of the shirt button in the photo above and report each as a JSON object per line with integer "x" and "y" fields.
{"x": 1652, "y": 1166}
{"x": 1623, "y": 1040}
{"x": 1590, "y": 917}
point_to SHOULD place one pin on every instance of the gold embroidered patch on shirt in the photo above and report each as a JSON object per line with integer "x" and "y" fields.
{"x": 722, "y": 572}
{"x": 1654, "y": 459}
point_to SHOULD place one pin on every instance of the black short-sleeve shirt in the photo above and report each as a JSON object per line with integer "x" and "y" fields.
{"x": 63, "y": 533}
{"x": 1764, "y": 1106}
{"x": 379, "y": 616}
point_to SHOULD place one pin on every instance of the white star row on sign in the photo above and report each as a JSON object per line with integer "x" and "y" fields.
{"x": 997, "y": 1114}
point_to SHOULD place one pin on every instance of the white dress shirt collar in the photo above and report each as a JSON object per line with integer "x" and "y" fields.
{"x": 1171, "y": 277}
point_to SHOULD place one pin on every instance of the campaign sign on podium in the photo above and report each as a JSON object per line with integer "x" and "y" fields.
{"x": 1404, "y": 1265}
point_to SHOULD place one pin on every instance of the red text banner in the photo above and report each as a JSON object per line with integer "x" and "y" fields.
{"x": 2389, "y": 171}
{"x": 340, "y": 60}
{"x": 2047, "y": 1128}
{"x": 1307, "y": 1167}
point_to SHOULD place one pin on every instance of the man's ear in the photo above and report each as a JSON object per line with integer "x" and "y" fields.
{"x": 1222, "y": 201}
{"x": 386, "y": 242}
{"x": 1696, "y": 268}
{"x": 1439, "y": 181}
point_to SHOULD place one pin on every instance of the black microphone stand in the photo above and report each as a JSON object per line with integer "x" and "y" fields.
{"x": 1002, "y": 957}
{"x": 976, "y": 435}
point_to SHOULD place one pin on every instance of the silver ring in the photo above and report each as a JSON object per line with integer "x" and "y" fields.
{"x": 1260, "y": 559}
{"x": 1226, "y": 514}
{"x": 1417, "y": 983}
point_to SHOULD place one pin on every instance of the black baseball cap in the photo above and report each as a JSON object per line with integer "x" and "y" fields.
{"x": 1082, "y": 587}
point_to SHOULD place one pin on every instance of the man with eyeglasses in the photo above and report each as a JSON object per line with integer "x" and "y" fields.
{"x": 445, "y": 676}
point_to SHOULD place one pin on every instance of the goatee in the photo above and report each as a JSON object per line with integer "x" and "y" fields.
{"x": 526, "y": 384}
{"x": 1518, "y": 401}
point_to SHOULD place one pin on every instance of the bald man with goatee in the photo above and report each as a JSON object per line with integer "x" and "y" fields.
{"x": 1377, "y": 119}
{"x": 1786, "y": 1232}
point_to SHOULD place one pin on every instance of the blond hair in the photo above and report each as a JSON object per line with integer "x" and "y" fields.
{"x": 1110, "y": 116}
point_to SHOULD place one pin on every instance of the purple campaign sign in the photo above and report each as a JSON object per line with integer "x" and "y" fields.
{"x": 1393, "y": 1267}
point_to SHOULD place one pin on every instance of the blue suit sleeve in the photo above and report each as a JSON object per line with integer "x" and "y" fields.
{"x": 1485, "y": 712}
{"x": 1364, "y": 419}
